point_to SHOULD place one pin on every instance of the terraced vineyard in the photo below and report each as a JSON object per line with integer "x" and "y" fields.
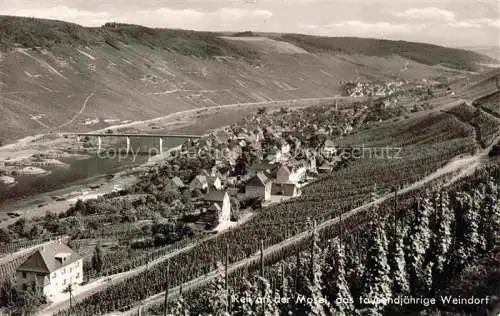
{"x": 487, "y": 126}
{"x": 426, "y": 146}
{"x": 491, "y": 104}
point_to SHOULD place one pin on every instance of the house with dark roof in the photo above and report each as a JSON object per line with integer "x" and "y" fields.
{"x": 217, "y": 211}
{"x": 325, "y": 167}
{"x": 329, "y": 148}
{"x": 259, "y": 186}
{"x": 51, "y": 269}
{"x": 286, "y": 182}
{"x": 173, "y": 184}
{"x": 199, "y": 182}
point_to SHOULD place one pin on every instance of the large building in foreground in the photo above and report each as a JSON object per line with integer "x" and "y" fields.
{"x": 52, "y": 269}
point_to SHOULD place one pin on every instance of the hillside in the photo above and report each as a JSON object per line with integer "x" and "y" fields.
{"x": 423, "y": 53}
{"x": 58, "y": 76}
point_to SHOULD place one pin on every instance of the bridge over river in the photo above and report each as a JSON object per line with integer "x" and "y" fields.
{"x": 128, "y": 136}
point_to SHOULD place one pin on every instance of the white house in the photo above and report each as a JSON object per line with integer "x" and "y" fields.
{"x": 216, "y": 182}
{"x": 51, "y": 269}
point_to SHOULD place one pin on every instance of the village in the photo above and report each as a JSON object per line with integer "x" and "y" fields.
{"x": 205, "y": 186}
{"x": 245, "y": 166}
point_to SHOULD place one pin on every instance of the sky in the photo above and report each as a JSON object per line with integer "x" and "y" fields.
{"x": 458, "y": 23}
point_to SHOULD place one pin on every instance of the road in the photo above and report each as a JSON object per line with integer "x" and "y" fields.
{"x": 459, "y": 167}
{"x": 275, "y": 103}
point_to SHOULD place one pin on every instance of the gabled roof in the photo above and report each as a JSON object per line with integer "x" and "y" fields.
{"x": 215, "y": 207}
{"x": 215, "y": 196}
{"x": 44, "y": 260}
{"x": 177, "y": 182}
{"x": 260, "y": 179}
{"x": 262, "y": 166}
{"x": 284, "y": 171}
{"x": 329, "y": 143}
{"x": 325, "y": 165}
{"x": 205, "y": 172}
{"x": 200, "y": 178}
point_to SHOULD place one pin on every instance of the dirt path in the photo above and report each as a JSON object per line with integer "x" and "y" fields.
{"x": 79, "y": 112}
{"x": 461, "y": 166}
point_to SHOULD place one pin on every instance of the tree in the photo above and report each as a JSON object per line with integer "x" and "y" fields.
{"x": 314, "y": 280}
{"x": 419, "y": 242}
{"x": 336, "y": 287}
{"x": 217, "y": 295}
{"x": 28, "y": 301}
{"x": 443, "y": 238}
{"x": 8, "y": 292}
{"x": 243, "y": 301}
{"x": 97, "y": 258}
{"x": 264, "y": 303}
{"x": 4, "y": 236}
{"x": 490, "y": 221}
{"x": 467, "y": 234}
{"x": 397, "y": 261}
{"x": 377, "y": 283}
{"x": 181, "y": 308}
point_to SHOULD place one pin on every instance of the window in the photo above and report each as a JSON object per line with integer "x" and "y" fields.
{"x": 78, "y": 275}
{"x": 24, "y": 275}
{"x": 54, "y": 275}
{"x": 64, "y": 282}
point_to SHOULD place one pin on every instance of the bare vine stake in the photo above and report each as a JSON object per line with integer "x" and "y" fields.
{"x": 340, "y": 229}
{"x": 282, "y": 279}
{"x": 297, "y": 267}
{"x": 226, "y": 285}
{"x": 166, "y": 288}
{"x": 226, "y": 267}
{"x": 262, "y": 258}
{"x": 395, "y": 211}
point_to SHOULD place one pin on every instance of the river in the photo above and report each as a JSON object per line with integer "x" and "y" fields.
{"x": 81, "y": 171}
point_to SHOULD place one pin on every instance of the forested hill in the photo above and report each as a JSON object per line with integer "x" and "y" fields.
{"x": 31, "y": 32}
{"x": 428, "y": 54}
